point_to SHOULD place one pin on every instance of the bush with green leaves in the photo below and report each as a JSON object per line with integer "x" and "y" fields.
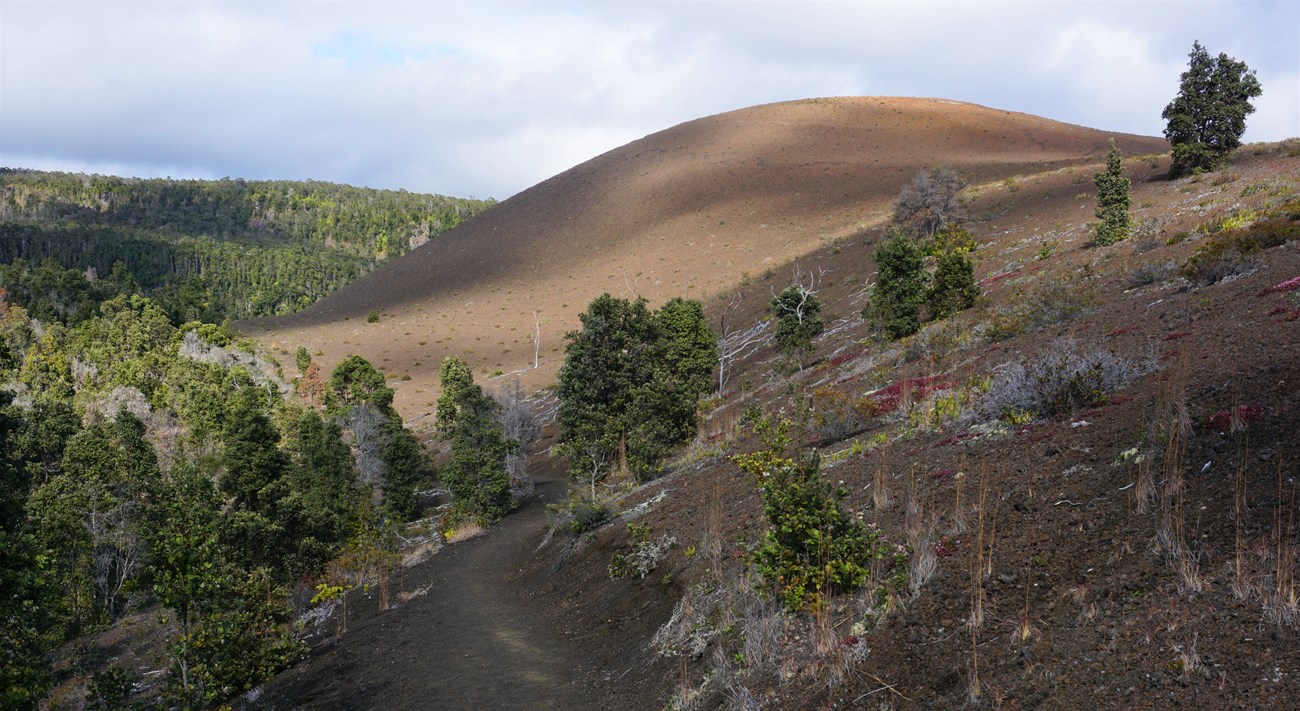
{"x": 579, "y": 513}
{"x": 813, "y": 547}
{"x": 1208, "y": 116}
{"x": 1238, "y": 249}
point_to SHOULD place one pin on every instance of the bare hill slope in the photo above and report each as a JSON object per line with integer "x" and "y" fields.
{"x": 689, "y": 211}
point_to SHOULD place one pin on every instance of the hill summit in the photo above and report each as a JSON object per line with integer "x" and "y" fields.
{"x": 687, "y": 211}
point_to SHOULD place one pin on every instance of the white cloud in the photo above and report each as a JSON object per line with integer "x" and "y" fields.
{"x": 1277, "y": 110}
{"x": 489, "y": 98}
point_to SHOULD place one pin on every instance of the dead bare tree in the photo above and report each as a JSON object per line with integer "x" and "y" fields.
{"x": 596, "y": 460}
{"x": 931, "y": 202}
{"x": 738, "y": 343}
{"x": 520, "y": 426}
{"x": 537, "y": 338}
{"x": 117, "y": 551}
{"x": 363, "y": 426}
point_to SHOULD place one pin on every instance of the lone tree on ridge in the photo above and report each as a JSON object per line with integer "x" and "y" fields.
{"x": 1208, "y": 117}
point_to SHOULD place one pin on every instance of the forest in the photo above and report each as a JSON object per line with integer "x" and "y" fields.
{"x": 146, "y": 466}
{"x": 216, "y": 249}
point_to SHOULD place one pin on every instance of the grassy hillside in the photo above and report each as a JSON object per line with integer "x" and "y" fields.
{"x": 218, "y": 249}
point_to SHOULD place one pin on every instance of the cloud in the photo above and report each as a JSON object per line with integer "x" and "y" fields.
{"x": 489, "y": 98}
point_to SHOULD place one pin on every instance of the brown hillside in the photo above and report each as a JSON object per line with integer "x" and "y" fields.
{"x": 690, "y": 210}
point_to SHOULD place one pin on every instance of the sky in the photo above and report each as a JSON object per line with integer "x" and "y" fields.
{"x": 486, "y": 99}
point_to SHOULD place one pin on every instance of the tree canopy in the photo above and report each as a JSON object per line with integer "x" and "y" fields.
{"x": 1208, "y": 116}
{"x": 630, "y": 383}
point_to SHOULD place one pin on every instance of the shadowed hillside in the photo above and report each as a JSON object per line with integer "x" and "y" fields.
{"x": 691, "y": 210}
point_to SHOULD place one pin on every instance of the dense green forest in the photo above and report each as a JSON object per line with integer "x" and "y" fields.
{"x": 172, "y": 470}
{"x": 217, "y": 249}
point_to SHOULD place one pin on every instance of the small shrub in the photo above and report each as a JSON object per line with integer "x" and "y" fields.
{"x": 937, "y": 410}
{"x": 812, "y": 547}
{"x": 937, "y": 340}
{"x": 1063, "y": 379}
{"x": 1146, "y": 235}
{"x": 640, "y": 555}
{"x": 696, "y": 620}
{"x": 1235, "y": 251}
{"x": 372, "y": 317}
{"x": 1045, "y": 304}
{"x": 1150, "y": 273}
{"x": 579, "y": 515}
{"x": 836, "y": 415}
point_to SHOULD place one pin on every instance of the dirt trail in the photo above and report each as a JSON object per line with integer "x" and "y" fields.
{"x": 477, "y": 639}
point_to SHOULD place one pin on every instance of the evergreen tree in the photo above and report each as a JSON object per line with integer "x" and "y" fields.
{"x": 25, "y": 618}
{"x": 954, "y": 286}
{"x": 318, "y": 512}
{"x": 1112, "y": 199}
{"x": 405, "y": 469}
{"x": 455, "y": 381}
{"x": 662, "y": 416}
{"x": 89, "y": 519}
{"x": 252, "y": 459}
{"x": 603, "y": 362}
{"x": 254, "y": 477}
{"x": 1208, "y": 117}
{"x": 355, "y": 381}
{"x": 690, "y": 349}
{"x": 477, "y": 477}
{"x": 630, "y": 385}
{"x": 902, "y": 286}
{"x": 187, "y": 564}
